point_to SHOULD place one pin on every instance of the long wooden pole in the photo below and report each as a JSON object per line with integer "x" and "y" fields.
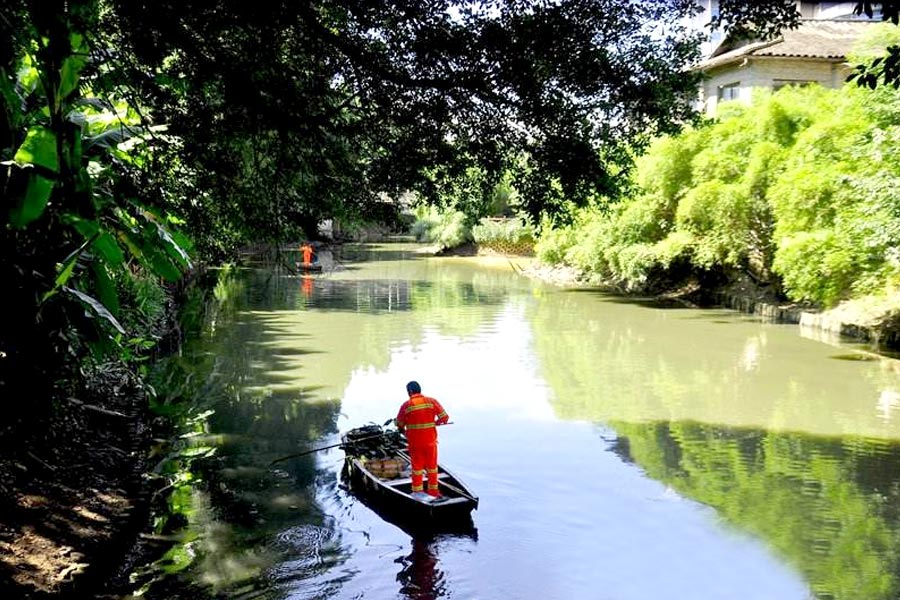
{"x": 338, "y": 445}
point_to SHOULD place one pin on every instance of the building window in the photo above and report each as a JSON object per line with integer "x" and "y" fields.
{"x": 731, "y": 91}
{"x": 777, "y": 84}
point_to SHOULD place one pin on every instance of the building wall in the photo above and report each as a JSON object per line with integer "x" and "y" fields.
{"x": 768, "y": 73}
{"x": 833, "y": 10}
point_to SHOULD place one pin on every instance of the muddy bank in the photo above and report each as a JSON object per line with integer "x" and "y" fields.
{"x": 73, "y": 494}
{"x": 874, "y": 321}
{"x": 76, "y": 493}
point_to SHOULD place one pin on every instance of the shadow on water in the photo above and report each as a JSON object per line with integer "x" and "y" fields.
{"x": 462, "y": 527}
{"x": 235, "y": 410}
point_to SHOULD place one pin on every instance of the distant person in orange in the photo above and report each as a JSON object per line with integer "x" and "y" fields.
{"x": 418, "y": 418}
{"x": 308, "y": 253}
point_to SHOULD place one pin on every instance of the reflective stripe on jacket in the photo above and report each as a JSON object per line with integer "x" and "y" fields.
{"x": 418, "y": 417}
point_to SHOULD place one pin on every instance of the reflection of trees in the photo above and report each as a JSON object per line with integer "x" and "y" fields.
{"x": 224, "y": 388}
{"x": 608, "y": 360}
{"x": 260, "y": 381}
{"x": 710, "y": 406}
{"x": 829, "y": 506}
{"x": 420, "y": 578}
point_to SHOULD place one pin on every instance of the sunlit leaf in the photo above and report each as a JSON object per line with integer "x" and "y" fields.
{"x": 160, "y": 263}
{"x": 39, "y": 148}
{"x": 69, "y": 75}
{"x": 173, "y": 248}
{"x": 112, "y": 137}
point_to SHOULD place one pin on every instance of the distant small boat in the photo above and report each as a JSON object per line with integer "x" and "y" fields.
{"x": 309, "y": 267}
{"x": 377, "y": 467}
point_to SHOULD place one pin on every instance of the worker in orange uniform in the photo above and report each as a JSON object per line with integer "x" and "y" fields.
{"x": 418, "y": 418}
{"x": 307, "y": 251}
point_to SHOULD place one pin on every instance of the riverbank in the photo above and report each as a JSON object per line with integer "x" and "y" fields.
{"x": 76, "y": 491}
{"x": 73, "y": 493}
{"x": 873, "y": 320}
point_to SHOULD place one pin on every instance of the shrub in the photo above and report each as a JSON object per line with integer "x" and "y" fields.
{"x": 816, "y": 266}
{"x": 445, "y": 229}
{"x": 554, "y": 243}
{"x": 510, "y": 231}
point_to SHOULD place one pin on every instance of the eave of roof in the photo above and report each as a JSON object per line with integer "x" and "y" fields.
{"x": 813, "y": 39}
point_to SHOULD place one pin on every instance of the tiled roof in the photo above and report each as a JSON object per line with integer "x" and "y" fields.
{"x": 816, "y": 39}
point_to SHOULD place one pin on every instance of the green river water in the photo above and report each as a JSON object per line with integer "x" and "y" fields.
{"x": 620, "y": 449}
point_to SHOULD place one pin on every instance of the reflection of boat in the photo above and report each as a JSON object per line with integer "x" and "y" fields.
{"x": 377, "y": 467}
{"x": 308, "y": 267}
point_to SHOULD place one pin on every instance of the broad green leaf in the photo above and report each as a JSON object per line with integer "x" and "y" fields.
{"x": 61, "y": 279}
{"x": 68, "y": 266}
{"x": 103, "y": 241}
{"x": 145, "y": 246}
{"x": 28, "y": 75}
{"x": 173, "y": 248}
{"x": 127, "y": 237}
{"x": 183, "y": 241}
{"x": 159, "y": 263}
{"x": 34, "y": 202}
{"x": 70, "y": 72}
{"x": 98, "y": 308}
{"x": 39, "y": 148}
{"x": 106, "y": 288}
{"x": 112, "y": 137}
{"x": 69, "y": 76}
{"x": 85, "y": 227}
{"x": 109, "y": 250}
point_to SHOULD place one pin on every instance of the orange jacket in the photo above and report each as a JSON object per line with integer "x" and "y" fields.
{"x": 307, "y": 251}
{"x": 418, "y": 418}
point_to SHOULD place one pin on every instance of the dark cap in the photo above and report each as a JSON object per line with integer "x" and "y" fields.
{"x": 413, "y": 387}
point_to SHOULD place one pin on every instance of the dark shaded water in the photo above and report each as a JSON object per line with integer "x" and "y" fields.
{"x": 620, "y": 450}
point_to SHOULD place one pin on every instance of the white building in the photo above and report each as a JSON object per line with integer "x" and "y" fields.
{"x": 815, "y": 52}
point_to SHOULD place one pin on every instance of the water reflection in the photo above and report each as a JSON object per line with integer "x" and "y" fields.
{"x": 830, "y": 507}
{"x": 420, "y": 576}
{"x": 794, "y": 451}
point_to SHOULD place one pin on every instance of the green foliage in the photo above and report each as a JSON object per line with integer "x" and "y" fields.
{"x": 816, "y": 266}
{"x": 355, "y": 102}
{"x": 74, "y": 227}
{"x": 504, "y": 231}
{"x": 716, "y": 215}
{"x": 872, "y": 43}
{"x": 666, "y": 169}
{"x": 504, "y": 198}
{"x": 554, "y": 243}
{"x": 798, "y": 188}
{"x": 445, "y": 229}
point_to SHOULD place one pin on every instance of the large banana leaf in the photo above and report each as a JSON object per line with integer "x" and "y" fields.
{"x": 96, "y": 307}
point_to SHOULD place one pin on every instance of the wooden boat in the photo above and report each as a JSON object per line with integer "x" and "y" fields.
{"x": 308, "y": 267}
{"x": 377, "y": 467}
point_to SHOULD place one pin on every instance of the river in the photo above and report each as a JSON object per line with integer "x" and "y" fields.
{"x": 621, "y": 449}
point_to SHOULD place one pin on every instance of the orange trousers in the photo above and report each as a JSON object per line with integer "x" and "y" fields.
{"x": 424, "y": 462}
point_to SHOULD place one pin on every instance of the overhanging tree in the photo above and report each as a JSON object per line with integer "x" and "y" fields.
{"x": 347, "y": 100}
